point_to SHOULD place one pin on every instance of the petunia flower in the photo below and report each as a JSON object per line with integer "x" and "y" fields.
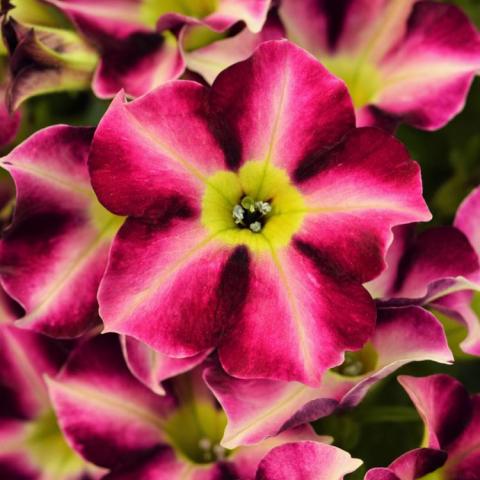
{"x": 32, "y": 446}
{"x": 402, "y": 60}
{"x": 114, "y": 421}
{"x": 451, "y": 417}
{"x": 257, "y": 409}
{"x": 55, "y": 250}
{"x": 43, "y": 58}
{"x": 138, "y": 39}
{"x": 256, "y": 211}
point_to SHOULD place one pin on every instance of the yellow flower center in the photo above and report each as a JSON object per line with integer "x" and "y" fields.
{"x": 257, "y": 207}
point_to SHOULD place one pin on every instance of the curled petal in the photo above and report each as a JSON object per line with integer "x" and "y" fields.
{"x": 55, "y": 251}
{"x": 43, "y": 60}
{"x": 444, "y": 405}
{"x": 151, "y": 367}
{"x": 412, "y": 465}
{"x": 306, "y": 461}
{"x": 467, "y": 220}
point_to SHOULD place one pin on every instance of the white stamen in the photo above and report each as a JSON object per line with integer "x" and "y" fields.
{"x": 237, "y": 214}
{"x": 255, "y": 227}
{"x": 263, "y": 207}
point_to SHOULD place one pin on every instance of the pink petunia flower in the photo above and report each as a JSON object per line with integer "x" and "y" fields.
{"x": 256, "y": 211}
{"x": 115, "y": 422}
{"x": 403, "y": 60}
{"x": 138, "y": 39}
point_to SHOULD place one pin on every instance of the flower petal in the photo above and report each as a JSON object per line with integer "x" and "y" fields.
{"x": 306, "y": 461}
{"x": 105, "y": 413}
{"x": 444, "y": 405}
{"x": 141, "y": 161}
{"x": 288, "y": 108}
{"x": 226, "y": 14}
{"x": 176, "y": 283}
{"x": 355, "y": 193}
{"x": 25, "y": 357}
{"x": 55, "y": 251}
{"x": 212, "y": 59}
{"x": 467, "y": 220}
{"x": 458, "y": 306}
{"x": 410, "y": 466}
{"x": 151, "y": 367}
{"x": 438, "y": 254}
{"x": 426, "y": 77}
{"x": 291, "y": 327}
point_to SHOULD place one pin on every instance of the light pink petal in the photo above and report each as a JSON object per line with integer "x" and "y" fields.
{"x": 282, "y": 105}
{"x": 468, "y": 221}
{"x": 151, "y": 367}
{"x": 212, "y": 59}
{"x": 458, "y": 306}
{"x": 292, "y": 327}
{"x": 427, "y": 75}
{"x": 384, "y": 284}
{"x": 141, "y": 161}
{"x": 412, "y": 465}
{"x": 175, "y": 283}
{"x": 355, "y": 193}
{"x": 54, "y": 253}
{"x": 228, "y": 12}
{"x": 25, "y": 357}
{"x": 107, "y": 416}
{"x": 257, "y": 409}
{"x": 444, "y": 405}
{"x": 306, "y": 461}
